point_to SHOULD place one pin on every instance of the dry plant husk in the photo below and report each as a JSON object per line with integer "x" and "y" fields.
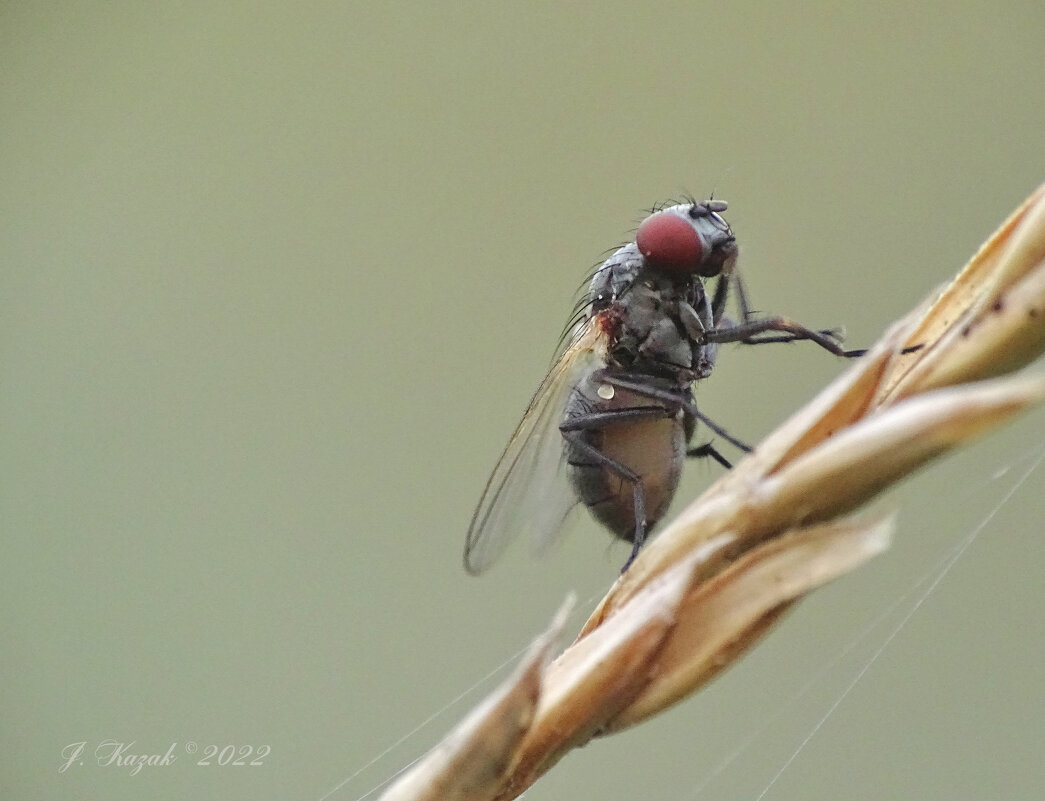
{"x": 771, "y": 530}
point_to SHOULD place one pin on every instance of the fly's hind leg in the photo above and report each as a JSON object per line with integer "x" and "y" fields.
{"x": 573, "y": 431}
{"x": 674, "y": 400}
{"x": 706, "y": 451}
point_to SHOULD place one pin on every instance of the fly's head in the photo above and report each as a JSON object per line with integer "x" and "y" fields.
{"x": 688, "y": 242}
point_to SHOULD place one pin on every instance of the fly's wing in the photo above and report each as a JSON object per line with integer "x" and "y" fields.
{"x": 528, "y": 490}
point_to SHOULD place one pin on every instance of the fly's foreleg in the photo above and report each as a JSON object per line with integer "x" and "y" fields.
{"x": 718, "y": 304}
{"x": 787, "y": 330}
{"x": 573, "y": 431}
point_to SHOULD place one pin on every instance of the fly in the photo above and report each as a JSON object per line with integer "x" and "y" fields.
{"x": 611, "y": 423}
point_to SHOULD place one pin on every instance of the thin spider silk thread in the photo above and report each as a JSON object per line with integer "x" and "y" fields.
{"x": 933, "y": 574}
{"x": 948, "y": 563}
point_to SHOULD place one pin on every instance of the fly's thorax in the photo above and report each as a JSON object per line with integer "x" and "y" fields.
{"x": 614, "y": 276}
{"x": 646, "y": 332}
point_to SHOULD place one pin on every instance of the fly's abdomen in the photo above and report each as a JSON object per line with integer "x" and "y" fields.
{"x": 652, "y": 448}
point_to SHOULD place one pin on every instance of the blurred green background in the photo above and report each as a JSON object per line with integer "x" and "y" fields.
{"x": 277, "y": 280}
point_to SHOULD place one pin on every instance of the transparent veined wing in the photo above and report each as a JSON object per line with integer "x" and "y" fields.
{"x": 528, "y": 490}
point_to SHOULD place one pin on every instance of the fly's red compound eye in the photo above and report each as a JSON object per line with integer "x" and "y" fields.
{"x": 669, "y": 242}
